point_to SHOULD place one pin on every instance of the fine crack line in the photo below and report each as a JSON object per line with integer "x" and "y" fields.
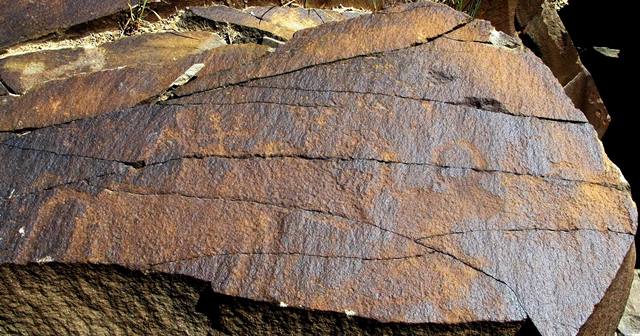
{"x": 267, "y": 204}
{"x": 370, "y": 54}
{"x": 26, "y": 130}
{"x": 512, "y": 46}
{"x": 465, "y": 102}
{"x": 59, "y": 185}
{"x": 414, "y": 240}
{"x": 165, "y": 103}
{"x": 608, "y": 230}
{"x": 375, "y": 160}
{"x": 136, "y": 164}
{"x": 143, "y": 164}
{"x": 302, "y": 254}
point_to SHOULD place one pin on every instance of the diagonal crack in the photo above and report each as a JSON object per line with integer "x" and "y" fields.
{"x": 59, "y": 185}
{"x": 9, "y": 89}
{"x": 135, "y": 164}
{"x": 341, "y": 59}
{"x": 477, "y": 269}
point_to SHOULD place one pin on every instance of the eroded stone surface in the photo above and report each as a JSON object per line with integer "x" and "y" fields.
{"x": 276, "y": 22}
{"x": 432, "y": 172}
{"x": 24, "y": 20}
{"x": 154, "y": 303}
{"x": 544, "y": 32}
{"x": 25, "y": 71}
{"x": 119, "y": 82}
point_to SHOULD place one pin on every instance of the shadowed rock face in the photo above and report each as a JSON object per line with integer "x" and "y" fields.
{"x": 137, "y": 303}
{"x": 411, "y": 166}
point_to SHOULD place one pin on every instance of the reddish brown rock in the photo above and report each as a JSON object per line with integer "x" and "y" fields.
{"x": 630, "y": 322}
{"x": 583, "y": 92}
{"x": 272, "y": 21}
{"x": 25, "y": 71}
{"x": 537, "y": 23}
{"x": 606, "y": 314}
{"x": 501, "y": 13}
{"x": 435, "y": 175}
{"x": 24, "y": 19}
{"x": 545, "y": 34}
{"x": 148, "y": 68}
{"x": 245, "y": 20}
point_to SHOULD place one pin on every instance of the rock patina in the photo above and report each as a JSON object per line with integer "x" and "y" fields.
{"x": 413, "y": 168}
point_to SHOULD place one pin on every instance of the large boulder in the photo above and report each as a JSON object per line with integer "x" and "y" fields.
{"x": 412, "y": 171}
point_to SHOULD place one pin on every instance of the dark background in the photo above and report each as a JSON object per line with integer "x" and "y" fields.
{"x": 612, "y": 24}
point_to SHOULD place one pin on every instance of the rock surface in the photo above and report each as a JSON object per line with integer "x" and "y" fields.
{"x": 275, "y": 22}
{"x": 412, "y": 166}
{"x": 630, "y": 322}
{"x": 118, "y": 75}
{"x": 24, "y": 20}
{"x": 545, "y": 33}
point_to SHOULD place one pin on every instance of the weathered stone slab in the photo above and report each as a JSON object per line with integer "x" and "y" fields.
{"x": 273, "y": 21}
{"x": 120, "y": 87}
{"x": 25, "y": 71}
{"x": 152, "y": 300}
{"x": 246, "y": 20}
{"x": 435, "y": 176}
{"x": 544, "y": 32}
{"x": 24, "y": 19}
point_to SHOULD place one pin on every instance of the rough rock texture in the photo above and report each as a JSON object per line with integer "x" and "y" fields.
{"x": 275, "y": 22}
{"x": 537, "y": 23}
{"x": 612, "y": 75}
{"x": 107, "y": 78}
{"x": 411, "y": 166}
{"x": 143, "y": 304}
{"x": 23, "y": 20}
{"x": 25, "y": 71}
{"x": 3, "y": 90}
{"x": 543, "y": 31}
{"x": 630, "y": 322}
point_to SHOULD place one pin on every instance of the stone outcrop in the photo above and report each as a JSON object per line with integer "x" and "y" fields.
{"x": 413, "y": 171}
